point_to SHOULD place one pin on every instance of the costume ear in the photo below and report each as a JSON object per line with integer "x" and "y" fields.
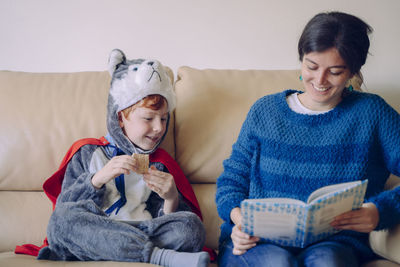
{"x": 116, "y": 57}
{"x": 170, "y": 73}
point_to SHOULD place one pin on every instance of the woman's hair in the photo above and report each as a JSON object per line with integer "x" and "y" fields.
{"x": 345, "y": 32}
{"x": 154, "y": 102}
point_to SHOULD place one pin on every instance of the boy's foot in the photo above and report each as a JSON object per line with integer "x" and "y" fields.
{"x": 172, "y": 258}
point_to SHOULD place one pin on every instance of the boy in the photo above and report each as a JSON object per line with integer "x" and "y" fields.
{"x": 108, "y": 209}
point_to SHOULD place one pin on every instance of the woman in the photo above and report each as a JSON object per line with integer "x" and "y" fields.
{"x": 327, "y": 134}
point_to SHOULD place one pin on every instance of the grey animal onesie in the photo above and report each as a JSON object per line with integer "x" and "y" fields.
{"x": 84, "y": 226}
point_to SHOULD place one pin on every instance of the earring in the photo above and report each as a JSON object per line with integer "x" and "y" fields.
{"x": 350, "y": 88}
{"x": 300, "y": 77}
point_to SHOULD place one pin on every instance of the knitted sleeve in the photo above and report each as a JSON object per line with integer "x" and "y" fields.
{"x": 233, "y": 183}
{"x": 388, "y": 202}
{"x": 389, "y": 136}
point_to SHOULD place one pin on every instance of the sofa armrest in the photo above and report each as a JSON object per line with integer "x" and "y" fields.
{"x": 386, "y": 243}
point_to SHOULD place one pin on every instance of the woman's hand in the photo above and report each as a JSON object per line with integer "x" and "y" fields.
{"x": 362, "y": 220}
{"x": 241, "y": 241}
{"x": 115, "y": 167}
{"x": 164, "y": 185}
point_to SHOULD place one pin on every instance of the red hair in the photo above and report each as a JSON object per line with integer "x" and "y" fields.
{"x": 154, "y": 102}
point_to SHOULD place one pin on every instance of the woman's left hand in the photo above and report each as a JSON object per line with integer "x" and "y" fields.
{"x": 364, "y": 219}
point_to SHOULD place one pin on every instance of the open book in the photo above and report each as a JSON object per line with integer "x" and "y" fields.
{"x": 291, "y": 222}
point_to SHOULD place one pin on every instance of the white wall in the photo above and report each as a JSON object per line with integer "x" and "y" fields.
{"x": 77, "y": 35}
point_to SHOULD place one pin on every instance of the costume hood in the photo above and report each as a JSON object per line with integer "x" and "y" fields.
{"x": 131, "y": 81}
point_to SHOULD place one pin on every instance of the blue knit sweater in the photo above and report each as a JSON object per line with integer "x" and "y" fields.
{"x": 280, "y": 153}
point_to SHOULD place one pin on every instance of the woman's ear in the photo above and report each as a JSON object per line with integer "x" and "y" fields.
{"x": 356, "y": 81}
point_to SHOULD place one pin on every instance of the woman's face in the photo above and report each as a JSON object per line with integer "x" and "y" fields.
{"x": 324, "y": 76}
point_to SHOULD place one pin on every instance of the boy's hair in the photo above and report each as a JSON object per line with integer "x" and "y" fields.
{"x": 154, "y": 102}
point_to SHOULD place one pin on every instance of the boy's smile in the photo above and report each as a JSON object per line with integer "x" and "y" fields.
{"x": 144, "y": 126}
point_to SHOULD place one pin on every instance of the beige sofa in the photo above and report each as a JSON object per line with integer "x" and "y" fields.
{"x": 41, "y": 114}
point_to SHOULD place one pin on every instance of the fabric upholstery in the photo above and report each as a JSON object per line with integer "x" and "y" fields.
{"x": 42, "y": 114}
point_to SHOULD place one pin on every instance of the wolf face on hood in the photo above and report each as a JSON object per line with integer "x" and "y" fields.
{"x": 131, "y": 81}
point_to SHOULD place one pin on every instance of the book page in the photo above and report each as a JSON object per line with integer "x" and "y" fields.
{"x": 330, "y": 189}
{"x": 276, "y": 220}
{"x": 324, "y": 208}
{"x": 269, "y": 225}
{"x": 324, "y": 216}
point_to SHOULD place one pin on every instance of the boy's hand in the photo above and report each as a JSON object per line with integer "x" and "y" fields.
{"x": 162, "y": 183}
{"x": 115, "y": 167}
{"x": 364, "y": 220}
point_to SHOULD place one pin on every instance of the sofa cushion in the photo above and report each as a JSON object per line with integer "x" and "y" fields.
{"x": 10, "y": 259}
{"x": 205, "y": 194}
{"x": 24, "y": 218}
{"x": 41, "y": 115}
{"x": 386, "y": 243}
{"x": 211, "y": 107}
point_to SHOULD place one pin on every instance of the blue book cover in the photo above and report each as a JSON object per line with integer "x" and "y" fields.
{"x": 291, "y": 222}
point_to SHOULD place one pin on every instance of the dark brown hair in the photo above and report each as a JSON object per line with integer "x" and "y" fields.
{"x": 345, "y": 32}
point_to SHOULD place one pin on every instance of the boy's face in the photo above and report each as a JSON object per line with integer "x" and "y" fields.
{"x": 144, "y": 126}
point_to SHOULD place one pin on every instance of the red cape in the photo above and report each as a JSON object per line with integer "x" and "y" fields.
{"x": 52, "y": 186}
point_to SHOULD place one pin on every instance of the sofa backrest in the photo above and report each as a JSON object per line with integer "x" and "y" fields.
{"x": 212, "y": 105}
{"x": 41, "y": 115}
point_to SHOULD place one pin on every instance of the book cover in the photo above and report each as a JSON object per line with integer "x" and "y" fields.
{"x": 291, "y": 222}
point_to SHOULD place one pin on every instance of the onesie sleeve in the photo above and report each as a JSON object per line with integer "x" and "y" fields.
{"x": 77, "y": 184}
